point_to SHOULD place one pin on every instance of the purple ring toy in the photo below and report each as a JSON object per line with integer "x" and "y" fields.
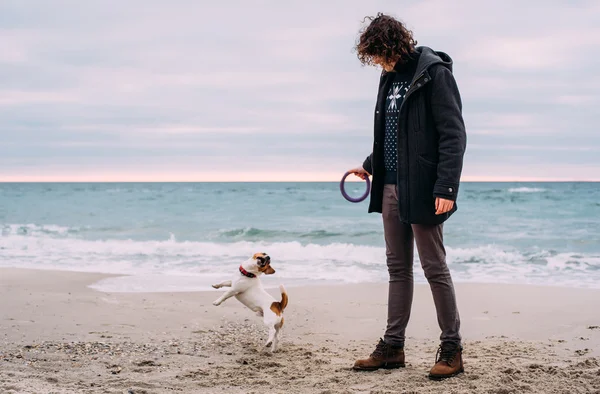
{"x": 352, "y": 199}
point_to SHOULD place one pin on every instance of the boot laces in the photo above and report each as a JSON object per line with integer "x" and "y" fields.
{"x": 447, "y": 352}
{"x": 380, "y": 350}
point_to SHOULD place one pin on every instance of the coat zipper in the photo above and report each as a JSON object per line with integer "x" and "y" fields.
{"x": 408, "y": 94}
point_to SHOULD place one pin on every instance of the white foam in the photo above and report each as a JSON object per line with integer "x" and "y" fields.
{"x": 125, "y": 254}
{"x": 170, "y": 264}
{"x": 573, "y": 261}
{"x": 526, "y": 190}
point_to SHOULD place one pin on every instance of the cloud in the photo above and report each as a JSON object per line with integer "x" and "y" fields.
{"x": 11, "y": 98}
{"x": 166, "y": 130}
{"x": 203, "y": 86}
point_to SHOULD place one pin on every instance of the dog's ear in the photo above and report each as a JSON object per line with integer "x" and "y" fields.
{"x": 266, "y": 269}
{"x": 269, "y": 270}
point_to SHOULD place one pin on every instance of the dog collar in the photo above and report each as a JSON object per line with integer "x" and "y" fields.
{"x": 246, "y": 273}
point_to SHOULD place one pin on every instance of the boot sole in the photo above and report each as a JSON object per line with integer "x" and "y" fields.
{"x": 387, "y": 366}
{"x": 442, "y": 377}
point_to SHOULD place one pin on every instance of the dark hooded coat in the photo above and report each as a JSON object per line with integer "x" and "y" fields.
{"x": 431, "y": 141}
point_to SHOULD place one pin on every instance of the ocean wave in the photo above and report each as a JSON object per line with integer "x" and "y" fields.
{"x": 249, "y": 232}
{"x": 294, "y": 261}
{"x": 252, "y": 232}
{"x": 526, "y": 190}
{"x": 36, "y": 230}
{"x": 23, "y": 246}
{"x": 573, "y": 261}
{"x": 236, "y": 234}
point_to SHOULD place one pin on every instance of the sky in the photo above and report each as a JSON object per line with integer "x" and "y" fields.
{"x": 188, "y": 90}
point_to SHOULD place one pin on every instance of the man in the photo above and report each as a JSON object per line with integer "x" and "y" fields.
{"x": 416, "y": 165}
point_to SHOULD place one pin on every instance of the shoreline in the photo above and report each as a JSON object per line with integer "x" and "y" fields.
{"x": 57, "y": 333}
{"x": 269, "y": 282}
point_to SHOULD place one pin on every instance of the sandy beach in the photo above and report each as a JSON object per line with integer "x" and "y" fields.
{"x": 60, "y": 336}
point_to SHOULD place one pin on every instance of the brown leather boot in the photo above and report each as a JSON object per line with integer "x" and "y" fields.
{"x": 448, "y": 362}
{"x": 384, "y": 356}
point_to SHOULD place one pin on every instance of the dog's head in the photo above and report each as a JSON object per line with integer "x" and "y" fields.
{"x": 263, "y": 262}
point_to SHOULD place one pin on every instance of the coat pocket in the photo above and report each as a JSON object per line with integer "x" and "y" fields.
{"x": 426, "y": 162}
{"x": 427, "y": 180}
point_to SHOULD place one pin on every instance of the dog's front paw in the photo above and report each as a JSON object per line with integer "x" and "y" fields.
{"x": 216, "y": 303}
{"x": 216, "y": 286}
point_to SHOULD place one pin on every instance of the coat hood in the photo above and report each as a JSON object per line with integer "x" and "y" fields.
{"x": 428, "y": 57}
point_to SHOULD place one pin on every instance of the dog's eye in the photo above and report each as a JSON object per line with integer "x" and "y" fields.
{"x": 261, "y": 261}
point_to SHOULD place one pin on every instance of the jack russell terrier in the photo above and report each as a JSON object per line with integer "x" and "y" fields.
{"x": 248, "y": 289}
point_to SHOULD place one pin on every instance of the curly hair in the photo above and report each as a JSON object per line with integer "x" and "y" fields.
{"x": 385, "y": 37}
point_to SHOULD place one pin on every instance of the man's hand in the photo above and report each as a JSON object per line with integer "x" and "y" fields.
{"x": 359, "y": 172}
{"x": 442, "y": 205}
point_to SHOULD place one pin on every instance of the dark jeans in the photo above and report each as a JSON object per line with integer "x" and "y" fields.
{"x": 399, "y": 240}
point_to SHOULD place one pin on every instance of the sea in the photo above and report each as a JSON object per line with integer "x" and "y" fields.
{"x": 185, "y": 236}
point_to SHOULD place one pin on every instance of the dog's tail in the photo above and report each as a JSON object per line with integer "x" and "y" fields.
{"x": 284, "y": 297}
{"x": 278, "y": 306}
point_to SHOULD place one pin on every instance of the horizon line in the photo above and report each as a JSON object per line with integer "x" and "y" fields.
{"x": 295, "y": 181}
{"x": 245, "y": 176}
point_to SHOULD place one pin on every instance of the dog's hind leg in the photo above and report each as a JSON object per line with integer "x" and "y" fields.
{"x": 277, "y": 327}
{"x": 226, "y": 283}
{"x": 275, "y": 341}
